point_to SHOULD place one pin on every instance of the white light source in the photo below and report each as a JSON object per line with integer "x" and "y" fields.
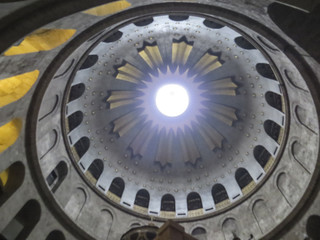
{"x": 172, "y": 100}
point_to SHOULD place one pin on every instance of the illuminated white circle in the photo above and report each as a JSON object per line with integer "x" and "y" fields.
{"x": 172, "y": 100}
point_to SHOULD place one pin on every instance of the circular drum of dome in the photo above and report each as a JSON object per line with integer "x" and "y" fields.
{"x": 209, "y": 157}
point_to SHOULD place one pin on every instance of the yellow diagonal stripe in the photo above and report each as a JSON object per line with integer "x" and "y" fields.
{"x": 9, "y": 133}
{"x": 41, "y": 40}
{"x": 14, "y": 88}
{"x": 108, "y": 8}
{"x": 4, "y": 177}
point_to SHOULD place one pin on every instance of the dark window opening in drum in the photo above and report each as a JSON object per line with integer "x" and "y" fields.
{"x": 168, "y": 203}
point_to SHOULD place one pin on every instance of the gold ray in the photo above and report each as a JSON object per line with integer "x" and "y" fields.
{"x": 211, "y": 136}
{"x": 141, "y": 142}
{"x": 189, "y": 148}
{"x": 108, "y": 8}
{"x": 122, "y": 98}
{"x": 223, "y": 113}
{"x": 151, "y": 55}
{"x": 221, "y": 87}
{"x": 180, "y": 52}
{"x": 207, "y": 64}
{"x": 14, "y": 88}
{"x": 9, "y": 133}
{"x": 125, "y": 123}
{"x": 165, "y": 147}
{"x": 41, "y": 40}
{"x": 129, "y": 73}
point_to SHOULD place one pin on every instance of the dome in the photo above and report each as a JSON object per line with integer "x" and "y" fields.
{"x": 129, "y": 113}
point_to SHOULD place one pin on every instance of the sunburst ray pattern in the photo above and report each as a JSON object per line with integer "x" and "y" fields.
{"x": 151, "y": 55}
{"x": 179, "y": 132}
{"x": 129, "y": 73}
{"x": 180, "y": 52}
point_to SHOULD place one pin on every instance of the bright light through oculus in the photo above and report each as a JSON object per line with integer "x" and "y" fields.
{"x": 172, "y": 100}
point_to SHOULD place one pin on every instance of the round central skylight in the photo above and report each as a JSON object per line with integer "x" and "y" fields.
{"x": 172, "y": 100}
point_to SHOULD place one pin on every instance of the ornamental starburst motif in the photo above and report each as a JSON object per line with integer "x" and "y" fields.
{"x": 202, "y": 112}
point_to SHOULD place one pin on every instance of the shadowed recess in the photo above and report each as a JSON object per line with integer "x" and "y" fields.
{"x": 114, "y": 37}
{"x": 243, "y": 178}
{"x": 272, "y": 129}
{"x": 168, "y": 203}
{"x": 142, "y": 198}
{"x": 74, "y": 120}
{"x": 57, "y": 175}
{"x": 82, "y": 146}
{"x": 219, "y": 193}
{"x": 194, "y": 201}
{"x": 265, "y": 70}
{"x": 96, "y": 169}
{"x": 178, "y": 17}
{"x": 313, "y": 226}
{"x": 243, "y": 43}
{"x": 89, "y": 62}
{"x": 56, "y": 235}
{"x": 117, "y": 187}
{"x": 10, "y": 180}
{"x": 261, "y": 155}
{"x": 76, "y": 91}
{"x": 143, "y": 22}
{"x": 274, "y": 100}
{"x": 23, "y": 223}
{"x": 211, "y": 24}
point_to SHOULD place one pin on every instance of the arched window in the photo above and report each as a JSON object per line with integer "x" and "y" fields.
{"x": 89, "y": 62}
{"x": 219, "y": 193}
{"x": 76, "y": 91}
{"x": 82, "y": 146}
{"x": 168, "y": 203}
{"x": 96, "y": 168}
{"x": 200, "y": 233}
{"x": 10, "y": 180}
{"x": 243, "y": 178}
{"x": 272, "y": 129}
{"x": 261, "y": 155}
{"x": 57, "y": 175}
{"x": 313, "y": 226}
{"x": 194, "y": 201}
{"x": 75, "y": 119}
{"x": 117, "y": 187}
{"x": 56, "y": 235}
{"x": 23, "y": 223}
{"x": 274, "y": 100}
{"x": 142, "y": 198}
